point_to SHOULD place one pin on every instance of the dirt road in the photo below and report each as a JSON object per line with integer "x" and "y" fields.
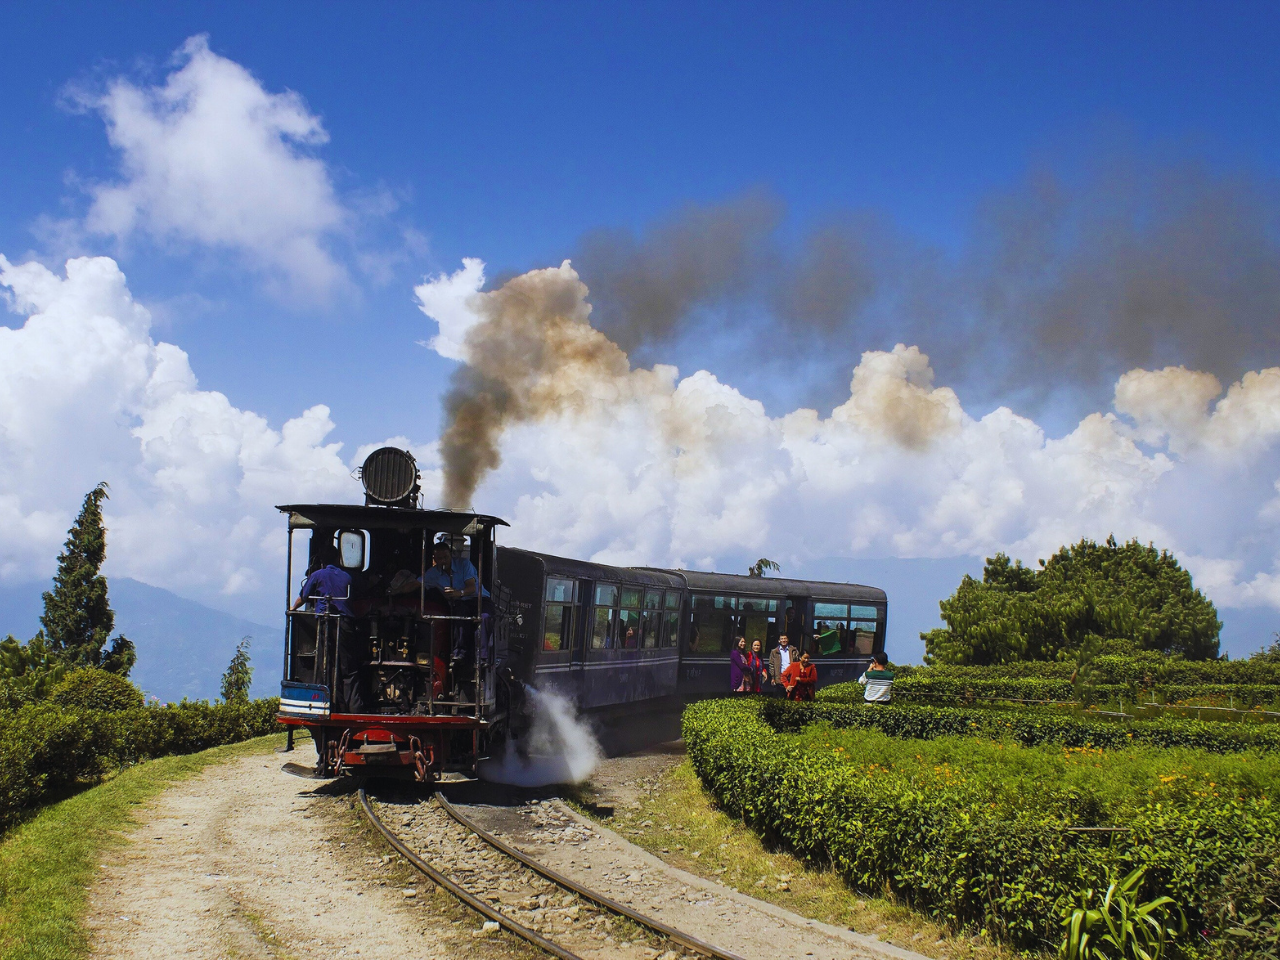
{"x": 247, "y": 861}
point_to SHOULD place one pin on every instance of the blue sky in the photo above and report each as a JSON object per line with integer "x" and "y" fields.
{"x": 507, "y": 131}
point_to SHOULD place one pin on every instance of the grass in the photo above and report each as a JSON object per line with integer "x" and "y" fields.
{"x": 47, "y": 863}
{"x": 678, "y": 821}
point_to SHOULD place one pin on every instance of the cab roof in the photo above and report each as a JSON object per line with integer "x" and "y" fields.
{"x": 308, "y": 515}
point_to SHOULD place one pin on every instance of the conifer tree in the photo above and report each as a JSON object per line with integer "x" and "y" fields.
{"x": 239, "y": 676}
{"x": 77, "y": 616}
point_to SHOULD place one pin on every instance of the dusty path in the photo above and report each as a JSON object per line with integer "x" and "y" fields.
{"x": 247, "y": 861}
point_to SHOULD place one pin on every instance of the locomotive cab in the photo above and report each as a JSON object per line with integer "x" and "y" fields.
{"x": 394, "y": 643}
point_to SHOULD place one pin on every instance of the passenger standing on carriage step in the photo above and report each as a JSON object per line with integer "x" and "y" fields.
{"x": 330, "y": 584}
{"x": 457, "y": 579}
{"x": 878, "y": 680}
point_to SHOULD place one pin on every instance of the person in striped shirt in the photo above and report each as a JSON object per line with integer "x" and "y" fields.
{"x": 878, "y": 680}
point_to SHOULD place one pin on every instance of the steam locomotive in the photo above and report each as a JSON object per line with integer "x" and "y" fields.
{"x": 381, "y": 688}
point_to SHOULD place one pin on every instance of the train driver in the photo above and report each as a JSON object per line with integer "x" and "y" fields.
{"x": 457, "y": 579}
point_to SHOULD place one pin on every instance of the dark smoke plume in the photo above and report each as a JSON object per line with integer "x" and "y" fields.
{"x": 530, "y": 357}
{"x": 1062, "y": 284}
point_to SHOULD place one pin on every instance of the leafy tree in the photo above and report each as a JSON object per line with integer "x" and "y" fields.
{"x": 239, "y": 675}
{"x": 762, "y": 567}
{"x": 1087, "y": 599}
{"x": 77, "y": 616}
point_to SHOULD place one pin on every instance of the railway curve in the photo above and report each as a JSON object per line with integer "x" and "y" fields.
{"x": 508, "y": 867}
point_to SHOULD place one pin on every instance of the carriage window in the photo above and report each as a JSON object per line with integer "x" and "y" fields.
{"x": 758, "y": 620}
{"x": 629, "y": 629}
{"x": 629, "y": 618}
{"x": 561, "y": 591}
{"x": 651, "y": 622}
{"x": 713, "y": 623}
{"x": 863, "y": 636}
{"x": 828, "y": 611}
{"x": 604, "y": 622}
{"x": 557, "y": 632}
{"x": 829, "y": 637}
{"x": 671, "y": 634}
{"x": 863, "y": 613}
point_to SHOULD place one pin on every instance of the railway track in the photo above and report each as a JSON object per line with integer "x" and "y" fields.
{"x": 547, "y": 909}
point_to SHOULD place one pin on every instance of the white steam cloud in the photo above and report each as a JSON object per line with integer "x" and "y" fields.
{"x": 559, "y": 747}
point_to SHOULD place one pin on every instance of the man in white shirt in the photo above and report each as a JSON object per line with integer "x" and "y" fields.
{"x": 780, "y": 658}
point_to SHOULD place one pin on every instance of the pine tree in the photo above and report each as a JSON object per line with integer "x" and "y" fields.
{"x": 239, "y": 675}
{"x": 77, "y": 616}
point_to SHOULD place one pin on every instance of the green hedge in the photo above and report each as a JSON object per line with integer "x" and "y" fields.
{"x": 1144, "y": 671}
{"x": 46, "y": 749}
{"x": 975, "y": 832}
{"x": 1028, "y": 727}
{"x": 929, "y": 686}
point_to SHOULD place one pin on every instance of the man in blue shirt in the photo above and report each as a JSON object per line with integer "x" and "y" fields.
{"x": 327, "y": 585}
{"x": 457, "y": 579}
{"x": 326, "y": 580}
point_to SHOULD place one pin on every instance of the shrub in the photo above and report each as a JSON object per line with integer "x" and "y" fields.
{"x": 978, "y": 833}
{"x": 1118, "y": 597}
{"x": 90, "y": 688}
{"x": 46, "y": 749}
{"x": 928, "y": 686}
{"x": 1027, "y": 727}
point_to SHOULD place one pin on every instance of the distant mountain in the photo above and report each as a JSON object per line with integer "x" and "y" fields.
{"x": 183, "y": 646}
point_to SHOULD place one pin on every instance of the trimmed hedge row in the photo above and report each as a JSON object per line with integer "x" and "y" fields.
{"x": 928, "y": 686}
{"x": 1027, "y": 727}
{"x": 46, "y": 750}
{"x": 975, "y": 844}
{"x": 1153, "y": 670}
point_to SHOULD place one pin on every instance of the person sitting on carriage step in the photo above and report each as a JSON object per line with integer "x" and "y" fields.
{"x": 800, "y": 679}
{"x": 878, "y": 680}
{"x": 457, "y": 579}
{"x": 328, "y": 584}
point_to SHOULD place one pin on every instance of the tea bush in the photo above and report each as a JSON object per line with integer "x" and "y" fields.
{"x": 1145, "y": 671}
{"x": 1028, "y": 727}
{"x": 47, "y": 749}
{"x": 91, "y": 688}
{"x": 976, "y": 832}
{"x": 930, "y": 686}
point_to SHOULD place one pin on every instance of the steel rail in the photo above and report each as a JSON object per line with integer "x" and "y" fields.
{"x": 471, "y": 901}
{"x": 657, "y": 926}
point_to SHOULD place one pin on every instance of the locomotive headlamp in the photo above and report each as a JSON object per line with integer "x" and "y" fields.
{"x": 390, "y": 477}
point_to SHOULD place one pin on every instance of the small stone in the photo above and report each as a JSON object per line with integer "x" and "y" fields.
{"x": 490, "y": 927}
{"x": 784, "y": 886}
{"x": 409, "y": 892}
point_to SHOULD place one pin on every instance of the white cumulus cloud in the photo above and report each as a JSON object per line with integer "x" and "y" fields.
{"x": 211, "y": 157}
{"x": 87, "y": 395}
